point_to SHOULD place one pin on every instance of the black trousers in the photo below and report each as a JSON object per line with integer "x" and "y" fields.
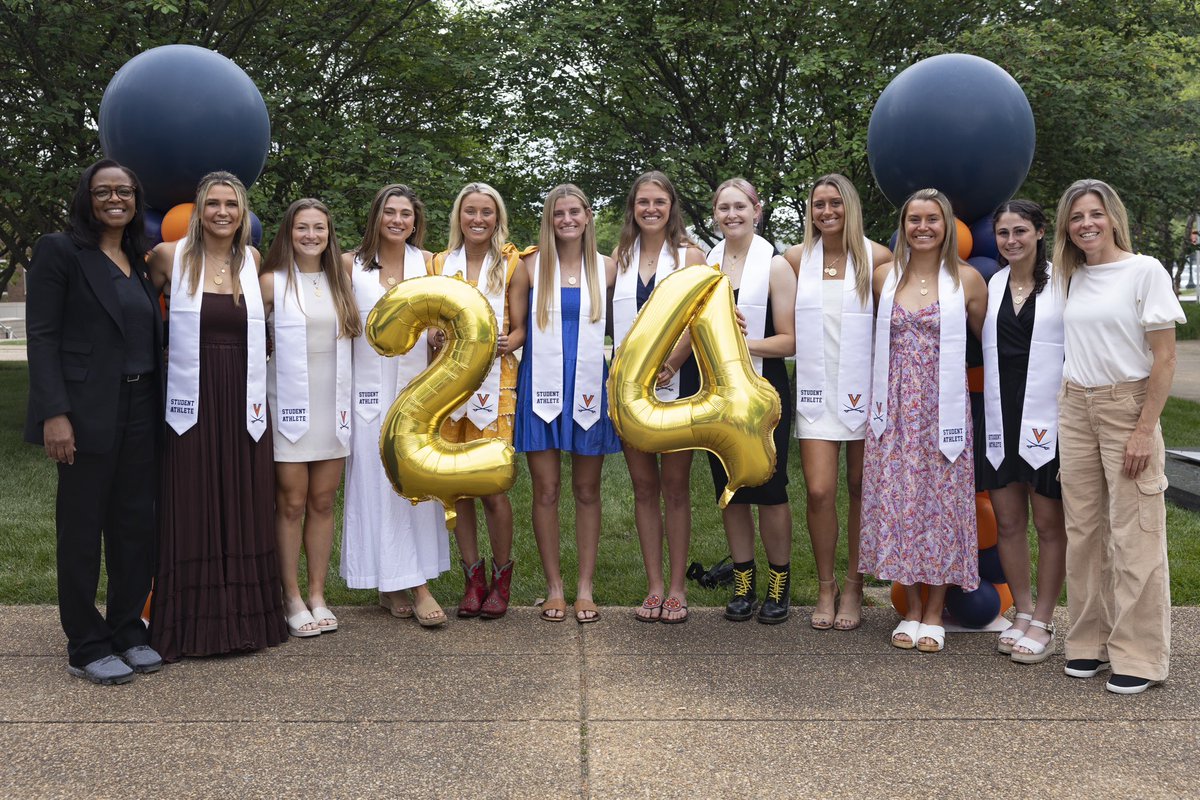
{"x": 109, "y": 496}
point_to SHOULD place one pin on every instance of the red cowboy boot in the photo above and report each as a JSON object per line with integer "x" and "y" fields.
{"x": 474, "y": 591}
{"x": 497, "y": 600}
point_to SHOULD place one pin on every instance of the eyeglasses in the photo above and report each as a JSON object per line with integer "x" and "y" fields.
{"x": 105, "y": 192}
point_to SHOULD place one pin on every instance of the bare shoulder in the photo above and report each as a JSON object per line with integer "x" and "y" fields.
{"x": 794, "y": 256}
{"x": 694, "y": 256}
{"x": 881, "y": 274}
{"x": 971, "y": 279}
{"x": 880, "y": 253}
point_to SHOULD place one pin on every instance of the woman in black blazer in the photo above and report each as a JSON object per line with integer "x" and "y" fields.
{"x": 95, "y": 404}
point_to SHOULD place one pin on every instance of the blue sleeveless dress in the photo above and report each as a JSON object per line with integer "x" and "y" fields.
{"x": 532, "y": 433}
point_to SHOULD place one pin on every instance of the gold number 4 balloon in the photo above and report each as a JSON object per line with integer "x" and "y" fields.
{"x": 734, "y": 413}
{"x": 420, "y": 464}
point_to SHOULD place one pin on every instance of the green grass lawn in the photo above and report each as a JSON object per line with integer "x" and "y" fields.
{"x": 27, "y": 489}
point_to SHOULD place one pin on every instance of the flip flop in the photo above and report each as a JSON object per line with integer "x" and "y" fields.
{"x": 297, "y": 621}
{"x": 322, "y": 614}
{"x": 653, "y": 602}
{"x": 674, "y": 605}
{"x": 583, "y": 607}
{"x": 558, "y": 604}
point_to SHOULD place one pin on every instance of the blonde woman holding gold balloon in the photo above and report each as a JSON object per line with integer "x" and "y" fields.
{"x": 562, "y": 403}
{"x": 653, "y": 244}
{"x": 388, "y": 543}
{"x": 764, "y": 288}
{"x": 480, "y": 253}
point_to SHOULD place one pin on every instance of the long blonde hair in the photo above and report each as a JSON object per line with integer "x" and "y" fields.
{"x": 192, "y": 258}
{"x": 1068, "y": 257}
{"x": 548, "y": 255}
{"x": 676, "y": 231}
{"x": 368, "y": 250}
{"x": 282, "y": 255}
{"x": 948, "y": 256}
{"x": 853, "y": 237}
{"x": 495, "y": 276}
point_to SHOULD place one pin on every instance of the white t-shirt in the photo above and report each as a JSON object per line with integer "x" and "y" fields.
{"x": 1109, "y": 309}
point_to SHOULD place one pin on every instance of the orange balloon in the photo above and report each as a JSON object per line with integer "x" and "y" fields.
{"x": 1006, "y": 598}
{"x": 900, "y": 599}
{"x": 985, "y": 521}
{"x": 965, "y": 240}
{"x": 175, "y": 222}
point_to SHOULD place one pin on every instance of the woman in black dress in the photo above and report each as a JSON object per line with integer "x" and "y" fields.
{"x": 217, "y": 587}
{"x": 766, "y": 282}
{"x": 95, "y": 396}
{"x": 1017, "y": 462}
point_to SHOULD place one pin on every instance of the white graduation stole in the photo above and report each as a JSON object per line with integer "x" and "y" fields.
{"x": 484, "y": 406}
{"x": 952, "y": 363}
{"x": 368, "y": 364}
{"x": 547, "y": 372}
{"x": 854, "y": 366}
{"x": 625, "y": 300}
{"x": 1039, "y": 413}
{"x": 183, "y": 368}
{"x": 291, "y": 364}
{"x": 754, "y": 290}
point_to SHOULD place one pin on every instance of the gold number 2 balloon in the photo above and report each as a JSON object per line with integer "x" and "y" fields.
{"x": 420, "y": 464}
{"x": 734, "y": 413}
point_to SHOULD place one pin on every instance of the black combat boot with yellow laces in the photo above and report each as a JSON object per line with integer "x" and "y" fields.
{"x": 745, "y": 599}
{"x": 779, "y": 599}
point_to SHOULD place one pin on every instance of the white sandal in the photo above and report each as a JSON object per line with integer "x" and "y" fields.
{"x": 323, "y": 615}
{"x": 1038, "y": 652}
{"x": 909, "y": 628}
{"x": 297, "y": 621}
{"x": 935, "y": 632}
{"x": 1009, "y": 637}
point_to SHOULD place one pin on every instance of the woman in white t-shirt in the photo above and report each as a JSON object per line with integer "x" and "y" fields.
{"x": 1119, "y": 336}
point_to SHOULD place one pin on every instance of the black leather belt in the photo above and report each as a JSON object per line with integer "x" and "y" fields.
{"x": 136, "y": 378}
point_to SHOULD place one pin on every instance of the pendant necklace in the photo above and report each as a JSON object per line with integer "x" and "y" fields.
{"x": 831, "y": 270}
{"x": 219, "y": 279}
{"x": 924, "y": 288}
{"x": 316, "y": 282}
{"x": 1019, "y": 296}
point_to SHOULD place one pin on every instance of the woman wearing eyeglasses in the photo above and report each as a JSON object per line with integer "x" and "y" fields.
{"x": 95, "y": 396}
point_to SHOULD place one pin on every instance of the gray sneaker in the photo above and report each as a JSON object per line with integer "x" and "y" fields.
{"x": 143, "y": 658}
{"x": 105, "y": 671}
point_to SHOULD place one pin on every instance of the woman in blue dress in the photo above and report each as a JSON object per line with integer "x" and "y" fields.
{"x": 561, "y": 399}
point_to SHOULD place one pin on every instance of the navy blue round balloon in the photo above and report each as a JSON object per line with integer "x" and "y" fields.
{"x": 152, "y": 223}
{"x": 984, "y": 266}
{"x": 989, "y": 566}
{"x": 957, "y": 123}
{"x": 974, "y": 609}
{"x": 983, "y": 238}
{"x": 892, "y": 241}
{"x": 255, "y": 229}
{"x": 175, "y": 113}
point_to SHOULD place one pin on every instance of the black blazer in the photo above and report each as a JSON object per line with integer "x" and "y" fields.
{"x": 76, "y": 341}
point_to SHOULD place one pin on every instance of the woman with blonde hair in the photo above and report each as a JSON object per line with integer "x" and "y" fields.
{"x": 479, "y": 252}
{"x": 562, "y": 402}
{"x": 834, "y": 306}
{"x": 217, "y": 588}
{"x": 918, "y": 518}
{"x": 654, "y": 243}
{"x": 764, "y": 287}
{"x": 1119, "y": 339}
{"x": 388, "y": 543}
{"x": 313, "y": 319}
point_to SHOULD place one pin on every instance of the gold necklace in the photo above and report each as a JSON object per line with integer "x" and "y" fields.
{"x": 924, "y": 288}
{"x": 219, "y": 278}
{"x": 1019, "y": 296}
{"x": 316, "y": 282}
{"x": 831, "y": 269}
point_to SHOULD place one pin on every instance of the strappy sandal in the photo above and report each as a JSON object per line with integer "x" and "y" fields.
{"x": 652, "y": 603}
{"x": 1038, "y": 652}
{"x": 558, "y": 604}
{"x": 1009, "y": 636}
{"x": 821, "y": 620}
{"x": 845, "y": 621}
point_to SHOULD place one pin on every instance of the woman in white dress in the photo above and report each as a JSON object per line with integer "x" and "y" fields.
{"x": 834, "y": 310}
{"x": 313, "y": 323}
{"x": 387, "y": 543}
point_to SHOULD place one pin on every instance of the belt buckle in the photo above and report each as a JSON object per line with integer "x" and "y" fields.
{"x": 132, "y": 378}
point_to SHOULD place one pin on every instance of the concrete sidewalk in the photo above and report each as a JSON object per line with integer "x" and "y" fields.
{"x": 525, "y": 708}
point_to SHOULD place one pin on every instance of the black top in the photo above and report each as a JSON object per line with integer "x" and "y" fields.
{"x": 139, "y": 318}
{"x": 1014, "y": 333}
{"x": 689, "y": 371}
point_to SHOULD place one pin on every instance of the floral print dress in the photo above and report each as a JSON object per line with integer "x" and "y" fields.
{"x": 918, "y": 514}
